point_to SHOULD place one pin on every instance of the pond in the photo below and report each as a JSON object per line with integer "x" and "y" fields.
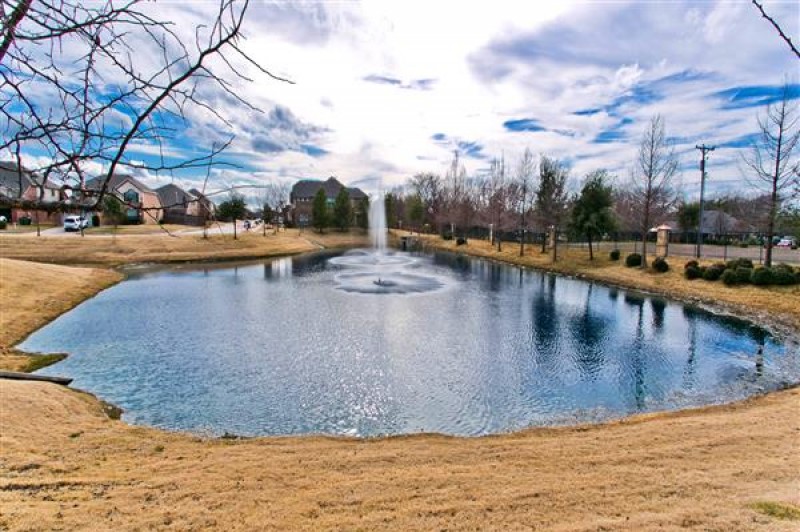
{"x": 435, "y": 343}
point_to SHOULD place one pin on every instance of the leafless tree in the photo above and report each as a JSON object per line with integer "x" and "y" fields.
{"x": 428, "y": 187}
{"x": 274, "y": 196}
{"x": 526, "y": 188}
{"x": 652, "y": 179}
{"x": 772, "y": 161}
{"x": 81, "y": 82}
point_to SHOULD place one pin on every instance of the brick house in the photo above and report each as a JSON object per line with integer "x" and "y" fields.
{"x": 16, "y": 183}
{"x": 301, "y": 198}
{"x": 181, "y": 207}
{"x": 141, "y": 204}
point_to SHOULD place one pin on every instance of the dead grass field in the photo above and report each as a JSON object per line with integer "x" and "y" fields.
{"x": 64, "y": 465}
{"x": 32, "y": 294}
{"x": 108, "y": 251}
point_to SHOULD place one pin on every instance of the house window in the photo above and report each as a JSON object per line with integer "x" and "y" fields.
{"x": 131, "y": 196}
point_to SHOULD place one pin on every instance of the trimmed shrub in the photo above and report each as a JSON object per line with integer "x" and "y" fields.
{"x": 613, "y": 254}
{"x": 447, "y": 236}
{"x": 460, "y": 241}
{"x": 783, "y": 276}
{"x": 743, "y": 275}
{"x": 714, "y": 272}
{"x": 739, "y": 263}
{"x": 660, "y": 265}
{"x": 693, "y": 272}
{"x": 729, "y": 277}
{"x": 3, "y": 224}
{"x": 691, "y": 264}
{"x": 761, "y": 276}
{"x": 632, "y": 260}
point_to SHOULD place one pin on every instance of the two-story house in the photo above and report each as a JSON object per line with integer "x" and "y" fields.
{"x": 141, "y": 205}
{"x": 18, "y": 183}
{"x": 301, "y": 198}
{"x": 182, "y": 207}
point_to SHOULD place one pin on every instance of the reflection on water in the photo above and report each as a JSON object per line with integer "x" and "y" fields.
{"x": 281, "y": 348}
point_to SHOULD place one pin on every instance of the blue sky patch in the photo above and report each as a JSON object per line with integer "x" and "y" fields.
{"x": 755, "y": 95}
{"x": 313, "y": 151}
{"x": 523, "y": 124}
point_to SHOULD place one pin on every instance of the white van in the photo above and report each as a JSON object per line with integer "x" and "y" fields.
{"x": 75, "y": 223}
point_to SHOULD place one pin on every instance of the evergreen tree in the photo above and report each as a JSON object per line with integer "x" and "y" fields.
{"x": 591, "y": 212}
{"x": 551, "y": 196}
{"x": 342, "y": 213}
{"x": 416, "y": 211}
{"x": 319, "y": 211}
{"x": 362, "y": 214}
{"x": 232, "y": 209}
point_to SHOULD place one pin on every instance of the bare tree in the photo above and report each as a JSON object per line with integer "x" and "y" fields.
{"x": 652, "y": 186}
{"x": 82, "y": 82}
{"x": 428, "y": 187}
{"x": 777, "y": 27}
{"x": 772, "y": 159}
{"x": 525, "y": 189}
{"x": 274, "y": 196}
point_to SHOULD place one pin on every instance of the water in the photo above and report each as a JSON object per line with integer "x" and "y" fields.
{"x": 282, "y": 348}
{"x": 377, "y": 223}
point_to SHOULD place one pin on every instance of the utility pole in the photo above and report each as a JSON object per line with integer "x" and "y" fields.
{"x": 703, "y": 150}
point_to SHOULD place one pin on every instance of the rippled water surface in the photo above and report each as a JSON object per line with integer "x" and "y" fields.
{"x": 308, "y": 345}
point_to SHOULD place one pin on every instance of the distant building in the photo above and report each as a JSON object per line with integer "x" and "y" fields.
{"x": 180, "y": 206}
{"x": 141, "y": 204}
{"x": 22, "y": 184}
{"x": 301, "y": 198}
{"x": 207, "y": 207}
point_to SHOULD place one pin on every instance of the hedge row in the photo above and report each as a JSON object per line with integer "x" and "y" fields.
{"x": 741, "y": 271}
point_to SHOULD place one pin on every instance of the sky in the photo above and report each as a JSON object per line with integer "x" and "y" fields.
{"x": 384, "y": 90}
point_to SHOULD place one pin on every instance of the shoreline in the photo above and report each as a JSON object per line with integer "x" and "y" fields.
{"x": 778, "y": 326}
{"x": 62, "y": 437}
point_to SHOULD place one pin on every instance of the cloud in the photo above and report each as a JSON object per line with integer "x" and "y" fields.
{"x": 383, "y": 90}
{"x": 414, "y": 84}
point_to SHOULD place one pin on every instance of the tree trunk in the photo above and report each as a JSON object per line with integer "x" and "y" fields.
{"x": 589, "y": 237}
{"x": 235, "y": 237}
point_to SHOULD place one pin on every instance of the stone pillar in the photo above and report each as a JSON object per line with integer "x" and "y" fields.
{"x": 552, "y": 241}
{"x": 662, "y": 241}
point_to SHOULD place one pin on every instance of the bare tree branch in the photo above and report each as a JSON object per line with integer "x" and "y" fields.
{"x": 778, "y": 28}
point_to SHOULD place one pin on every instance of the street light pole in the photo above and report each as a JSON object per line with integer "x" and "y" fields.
{"x": 703, "y": 150}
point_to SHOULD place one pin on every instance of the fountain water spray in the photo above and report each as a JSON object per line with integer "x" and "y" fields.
{"x": 378, "y": 271}
{"x": 377, "y": 222}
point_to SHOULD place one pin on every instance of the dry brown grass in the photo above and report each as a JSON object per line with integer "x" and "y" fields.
{"x": 106, "y": 250}
{"x": 33, "y": 294}
{"x": 781, "y": 303}
{"x": 65, "y": 465}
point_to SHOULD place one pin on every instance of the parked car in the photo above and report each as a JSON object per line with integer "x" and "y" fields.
{"x": 787, "y": 243}
{"x": 75, "y": 223}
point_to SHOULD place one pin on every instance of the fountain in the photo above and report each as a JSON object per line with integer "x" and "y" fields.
{"x": 378, "y": 270}
{"x": 377, "y": 223}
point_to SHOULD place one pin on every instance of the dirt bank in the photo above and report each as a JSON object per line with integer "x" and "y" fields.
{"x": 65, "y": 465}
